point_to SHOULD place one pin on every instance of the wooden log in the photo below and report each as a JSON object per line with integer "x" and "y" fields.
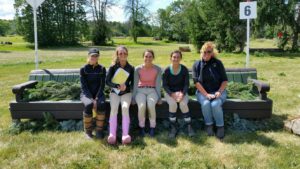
{"x": 73, "y": 110}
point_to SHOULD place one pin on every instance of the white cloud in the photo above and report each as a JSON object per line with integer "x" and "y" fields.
{"x": 156, "y": 4}
{"x": 7, "y": 10}
{"x": 116, "y": 13}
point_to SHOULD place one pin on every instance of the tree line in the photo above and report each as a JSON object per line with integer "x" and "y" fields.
{"x": 7, "y": 27}
{"x": 197, "y": 21}
{"x": 193, "y": 21}
{"x": 68, "y": 22}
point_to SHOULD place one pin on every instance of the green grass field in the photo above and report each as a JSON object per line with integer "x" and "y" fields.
{"x": 271, "y": 148}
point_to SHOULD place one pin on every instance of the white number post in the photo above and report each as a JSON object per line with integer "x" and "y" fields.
{"x": 35, "y": 4}
{"x": 248, "y": 10}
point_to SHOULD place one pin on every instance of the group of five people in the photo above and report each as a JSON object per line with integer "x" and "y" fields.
{"x": 143, "y": 87}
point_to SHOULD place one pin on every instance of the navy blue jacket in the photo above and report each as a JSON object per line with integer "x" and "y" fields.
{"x": 213, "y": 74}
{"x": 129, "y": 82}
{"x": 92, "y": 79}
{"x": 174, "y": 83}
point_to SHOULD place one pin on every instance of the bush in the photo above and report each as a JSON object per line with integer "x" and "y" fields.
{"x": 54, "y": 91}
{"x": 241, "y": 91}
{"x": 47, "y": 123}
{"x": 260, "y": 54}
{"x": 282, "y": 40}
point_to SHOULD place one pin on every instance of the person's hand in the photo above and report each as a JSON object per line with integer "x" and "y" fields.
{"x": 122, "y": 87}
{"x": 210, "y": 96}
{"x": 173, "y": 95}
{"x": 179, "y": 96}
{"x": 217, "y": 94}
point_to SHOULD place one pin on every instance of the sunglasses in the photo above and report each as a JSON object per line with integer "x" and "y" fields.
{"x": 208, "y": 52}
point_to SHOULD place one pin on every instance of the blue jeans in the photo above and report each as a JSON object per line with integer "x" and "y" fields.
{"x": 212, "y": 109}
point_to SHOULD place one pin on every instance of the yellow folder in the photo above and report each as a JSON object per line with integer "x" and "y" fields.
{"x": 120, "y": 76}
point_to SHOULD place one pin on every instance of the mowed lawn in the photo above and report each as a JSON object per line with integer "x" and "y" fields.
{"x": 270, "y": 148}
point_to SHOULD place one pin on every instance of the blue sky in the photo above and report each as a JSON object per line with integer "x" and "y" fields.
{"x": 116, "y": 13}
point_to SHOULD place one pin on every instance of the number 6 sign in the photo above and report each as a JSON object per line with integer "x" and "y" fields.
{"x": 248, "y": 10}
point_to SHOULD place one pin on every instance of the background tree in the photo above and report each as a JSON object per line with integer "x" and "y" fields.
{"x": 4, "y": 26}
{"x": 137, "y": 11}
{"x": 280, "y": 18}
{"x": 172, "y": 22}
{"x": 197, "y": 21}
{"x": 199, "y": 32}
{"x": 178, "y": 21}
{"x": 161, "y": 27}
{"x": 59, "y": 22}
{"x": 222, "y": 17}
{"x": 100, "y": 30}
{"x": 119, "y": 29}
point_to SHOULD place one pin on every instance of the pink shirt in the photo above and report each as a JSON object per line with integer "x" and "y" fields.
{"x": 147, "y": 77}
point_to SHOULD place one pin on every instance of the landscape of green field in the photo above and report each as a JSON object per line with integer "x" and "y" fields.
{"x": 270, "y": 148}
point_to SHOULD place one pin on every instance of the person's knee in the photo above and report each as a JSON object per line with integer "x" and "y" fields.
{"x": 125, "y": 109}
{"x": 172, "y": 103}
{"x": 216, "y": 104}
{"x": 151, "y": 107}
{"x": 173, "y": 106}
{"x": 205, "y": 103}
{"x": 151, "y": 102}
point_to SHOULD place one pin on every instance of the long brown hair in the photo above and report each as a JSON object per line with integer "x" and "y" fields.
{"x": 115, "y": 56}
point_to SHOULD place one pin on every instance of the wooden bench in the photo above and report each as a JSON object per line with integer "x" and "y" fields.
{"x": 63, "y": 110}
